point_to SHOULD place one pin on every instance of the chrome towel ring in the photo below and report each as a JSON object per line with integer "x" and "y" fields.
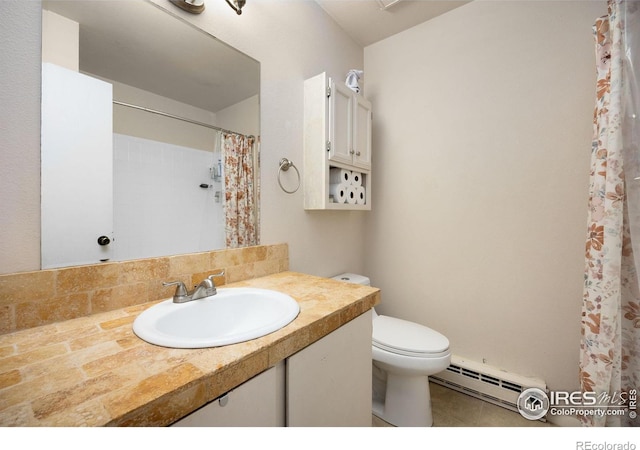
{"x": 285, "y": 164}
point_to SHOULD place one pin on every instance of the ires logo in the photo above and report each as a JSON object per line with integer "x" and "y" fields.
{"x": 560, "y": 398}
{"x": 534, "y": 403}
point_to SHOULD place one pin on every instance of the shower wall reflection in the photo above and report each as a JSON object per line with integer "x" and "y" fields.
{"x": 160, "y": 207}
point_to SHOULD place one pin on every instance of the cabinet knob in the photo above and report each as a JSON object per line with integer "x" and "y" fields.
{"x": 357, "y": 153}
{"x": 104, "y": 240}
{"x": 351, "y": 152}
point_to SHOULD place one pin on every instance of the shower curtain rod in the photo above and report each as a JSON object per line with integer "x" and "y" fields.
{"x": 172, "y": 116}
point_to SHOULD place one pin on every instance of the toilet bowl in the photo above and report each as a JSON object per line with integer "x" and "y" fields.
{"x": 404, "y": 354}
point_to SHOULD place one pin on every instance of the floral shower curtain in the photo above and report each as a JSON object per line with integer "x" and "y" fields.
{"x": 240, "y": 194}
{"x": 610, "y": 343}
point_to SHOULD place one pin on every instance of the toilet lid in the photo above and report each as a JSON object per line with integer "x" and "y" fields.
{"x": 391, "y": 334}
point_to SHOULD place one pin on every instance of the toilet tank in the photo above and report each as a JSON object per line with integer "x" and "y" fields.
{"x": 353, "y": 278}
{"x": 357, "y": 279}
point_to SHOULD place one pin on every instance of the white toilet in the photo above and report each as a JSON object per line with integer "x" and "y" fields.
{"x": 404, "y": 355}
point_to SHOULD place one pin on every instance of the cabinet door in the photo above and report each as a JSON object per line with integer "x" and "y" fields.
{"x": 329, "y": 382}
{"x": 258, "y": 402}
{"x": 362, "y": 133}
{"x": 341, "y": 108}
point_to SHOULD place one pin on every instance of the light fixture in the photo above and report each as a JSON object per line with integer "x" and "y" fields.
{"x": 386, "y": 4}
{"x": 197, "y": 6}
{"x": 237, "y": 5}
{"x": 192, "y": 6}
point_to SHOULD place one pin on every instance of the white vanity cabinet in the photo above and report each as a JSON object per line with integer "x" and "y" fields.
{"x": 329, "y": 382}
{"x": 259, "y": 402}
{"x": 337, "y": 134}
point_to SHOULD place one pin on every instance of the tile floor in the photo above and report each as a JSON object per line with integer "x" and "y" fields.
{"x": 455, "y": 409}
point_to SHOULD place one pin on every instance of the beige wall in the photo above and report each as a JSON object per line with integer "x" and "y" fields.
{"x": 293, "y": 40}
{"x": 243, "y": 117}
{"x": 482, "y": 138}
{"x": 133, "y": 122}
{"x": 62, "y": 43}
{"x": 20, "y": 34}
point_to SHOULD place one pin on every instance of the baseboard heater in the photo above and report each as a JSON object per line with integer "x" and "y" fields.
{"x": 487, "y": 383}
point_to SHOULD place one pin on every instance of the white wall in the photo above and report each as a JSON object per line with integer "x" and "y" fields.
{"x": 482, "y": 139}
{"x": 292, "y": 39}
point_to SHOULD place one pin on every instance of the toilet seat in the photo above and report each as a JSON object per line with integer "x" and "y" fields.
{"x": 408, "y": 338}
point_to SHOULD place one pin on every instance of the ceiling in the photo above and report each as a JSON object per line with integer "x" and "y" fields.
{"x": 367, "y": 22}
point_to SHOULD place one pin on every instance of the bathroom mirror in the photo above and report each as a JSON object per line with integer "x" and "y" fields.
{"x": 170, "y": 89}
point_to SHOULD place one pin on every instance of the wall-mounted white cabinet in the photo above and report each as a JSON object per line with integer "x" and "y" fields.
{"x": 349, "y": 127}
{"x": 337, "y": 137}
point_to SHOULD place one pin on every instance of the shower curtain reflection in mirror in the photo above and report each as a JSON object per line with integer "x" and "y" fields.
{"x": 610, "y": 342}
{"x": 240, "y": 193}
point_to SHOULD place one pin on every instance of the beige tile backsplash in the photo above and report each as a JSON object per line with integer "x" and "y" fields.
{"x": 30, "y": 299}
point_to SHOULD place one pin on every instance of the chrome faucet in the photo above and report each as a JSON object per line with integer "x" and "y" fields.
{"x": 206, "y": 288}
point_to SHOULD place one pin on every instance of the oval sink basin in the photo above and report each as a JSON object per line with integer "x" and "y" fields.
{"x": 232, "y": 315}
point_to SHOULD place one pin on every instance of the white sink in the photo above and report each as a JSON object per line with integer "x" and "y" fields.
{"x": 232, "y": 315}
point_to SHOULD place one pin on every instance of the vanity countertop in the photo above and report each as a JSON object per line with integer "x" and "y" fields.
{"x": 94, "y": 371}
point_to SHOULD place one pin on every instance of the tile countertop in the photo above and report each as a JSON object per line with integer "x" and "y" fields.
{"x": 94, "y": 371}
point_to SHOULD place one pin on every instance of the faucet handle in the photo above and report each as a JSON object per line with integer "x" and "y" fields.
{"x": 211, "y": 286}
{"x": 181, "y": 294}
{"x": 219, "y": 274}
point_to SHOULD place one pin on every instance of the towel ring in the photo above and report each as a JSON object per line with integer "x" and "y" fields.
{"x": 285, "y": 164}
